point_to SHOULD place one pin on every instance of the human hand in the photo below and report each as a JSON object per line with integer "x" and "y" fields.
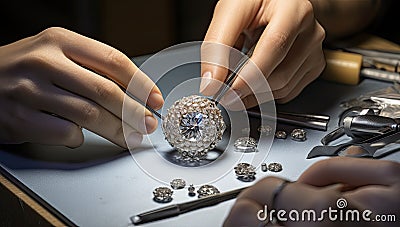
{"x": 52, "y": 84}
{"x": 254, "y": 206}
{"x": 371, "y": 184}
{"x": 365, "y": 184}
{"x": 288, "y": 51}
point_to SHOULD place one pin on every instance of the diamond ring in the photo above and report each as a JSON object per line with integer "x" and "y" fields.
{"x": 193, "y": 125}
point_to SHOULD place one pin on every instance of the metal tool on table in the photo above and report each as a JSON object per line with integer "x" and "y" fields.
{"x": 361, "y": 123}
{"x": 369, "y": 131}
{"x": 181, "y": 208}
{"x": 311, "y": 121}
{"x": 369, "y": 146}
{"x": 233, "y": 75}
{"x": 349, "y": 65}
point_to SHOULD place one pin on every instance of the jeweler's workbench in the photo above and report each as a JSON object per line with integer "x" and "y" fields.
{"x": 100, "y": 184}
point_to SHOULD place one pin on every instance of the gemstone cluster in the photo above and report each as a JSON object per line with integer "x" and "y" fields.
{"x": 193, "y": 125}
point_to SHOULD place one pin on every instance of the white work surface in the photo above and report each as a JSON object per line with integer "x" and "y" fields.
{"x": 100, "y": 184}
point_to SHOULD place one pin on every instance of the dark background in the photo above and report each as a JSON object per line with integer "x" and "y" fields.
{"x": 134, "y": 27}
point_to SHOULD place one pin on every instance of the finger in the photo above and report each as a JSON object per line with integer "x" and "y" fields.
{"x": 306, "y": 50}
{"x": 262, "y": 191}
{"x": 352, "y": 171}
{"x": 225, "y": 28}
{"x": 233, "y": 102}
{"x": 244, "y": 213}
{"x": 308, "y": 72}
{"x": 240, "y": 42}
{"x": 258, "y": 86}
{"x": 89, "y": 115}
{"x": 105, "y": 93}
{"x": 307, "y": 79}
{"x": 105, "y": 60}
{"x": 277, "y": 40}
{"x": 372, "y": 197}
{"x": 132, "y": 137}
{"x": 43, "y": 128}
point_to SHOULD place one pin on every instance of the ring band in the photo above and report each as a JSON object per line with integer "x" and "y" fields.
{"x": 273, "y": 220}
{"x": 277, "y": 191}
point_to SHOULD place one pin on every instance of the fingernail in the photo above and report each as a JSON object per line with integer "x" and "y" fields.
{"x": 151, "y": 123}
{"x": 155, "y": 100}
{"x": 205, "y": 81}
{"x": 134, "y": 139}
{"x": 231, "y": 97}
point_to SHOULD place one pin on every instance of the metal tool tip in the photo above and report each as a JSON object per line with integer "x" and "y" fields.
{"x": 136, "y": 219}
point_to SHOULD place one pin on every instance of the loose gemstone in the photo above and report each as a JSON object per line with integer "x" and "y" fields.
{"x": 280, "y": 135}
{"x": 299, "y": 135}
{"x": 265, "y": 129}
{"x": 245, "y": 171}
{"x": 207, "y": 190}
{"x": 177, "y": 184}
{"x": 162, "y": 194}
{"x": 275, "y": 167}
{"x": 245, "y": 144}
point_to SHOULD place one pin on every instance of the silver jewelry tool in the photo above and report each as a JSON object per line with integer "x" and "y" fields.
{"x": 181, "y": 208}
{"x": 311, "y": 121}
{"x": 232, "y": 77}
{"x": 153, "y": 111}
{"x": 370, "y": 146}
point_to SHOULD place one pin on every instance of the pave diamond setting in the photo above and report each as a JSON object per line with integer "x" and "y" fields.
{"x": 177, "y": 184}
{"x": 245, "y": 172}
{"x": 193, "y": 125}
{"x": 162, "y": 195}
{"x": 245, "y": 144}
{"x": 207, "y": 190}
{"x": 281, "y": 135}
{"x": 275, "y": 167}
{"x": 299, "y": 135}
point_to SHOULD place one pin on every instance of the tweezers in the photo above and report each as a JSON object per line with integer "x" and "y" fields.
{"x": 221, "y": 92}
{"x": 233, "y": 75}
{"x": 311, "y": 121}
{"x": 370, "y": 146}
{"x": 181, "y": 208}
{"x": 145, "y": 105}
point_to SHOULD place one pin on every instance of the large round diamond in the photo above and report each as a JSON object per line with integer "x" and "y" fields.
{"x": 193, "y": 125}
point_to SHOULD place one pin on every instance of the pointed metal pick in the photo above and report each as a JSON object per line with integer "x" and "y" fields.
{"x": 319, "y": 151}
{"x": 370, "y": 145}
